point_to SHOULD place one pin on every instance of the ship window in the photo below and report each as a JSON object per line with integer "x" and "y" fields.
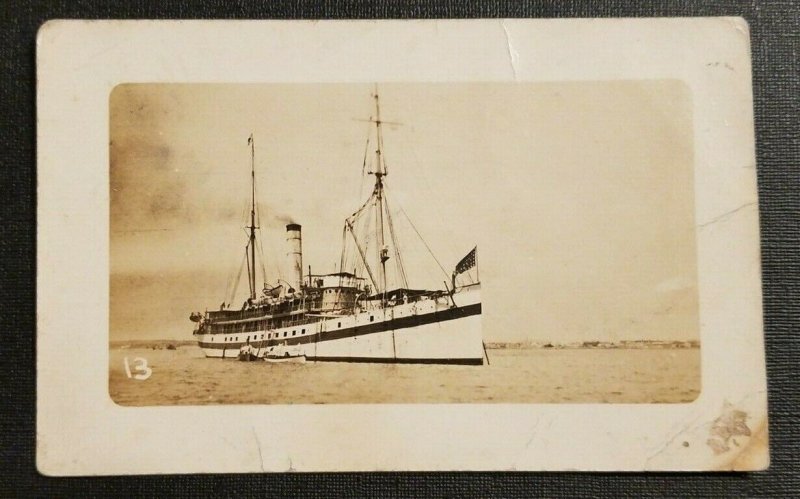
{"x": 371, "y": 318}
{"x": 262, "y": 336}
{"x": 294, "y": 333}
{"x": 304, "y": 331}
{"x": 284, "y": 334}
{"x": 339, "y": 324}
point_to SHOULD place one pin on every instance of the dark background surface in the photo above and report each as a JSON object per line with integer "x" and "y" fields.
{"x": 776, "y": 53}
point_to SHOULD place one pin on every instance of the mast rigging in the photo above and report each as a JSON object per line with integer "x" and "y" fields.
{"x": 379, "y": 202}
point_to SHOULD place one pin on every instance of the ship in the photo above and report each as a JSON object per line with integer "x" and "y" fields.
{"x": 352, "y": 315}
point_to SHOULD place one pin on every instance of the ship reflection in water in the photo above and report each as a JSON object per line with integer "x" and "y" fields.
{"x": 529, "y": 375}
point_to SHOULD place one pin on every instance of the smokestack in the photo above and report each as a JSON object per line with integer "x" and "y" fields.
{"x": 295, "y": 255}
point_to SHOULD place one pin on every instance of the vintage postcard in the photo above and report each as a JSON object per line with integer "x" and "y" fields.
{"x": 398, "y": 245}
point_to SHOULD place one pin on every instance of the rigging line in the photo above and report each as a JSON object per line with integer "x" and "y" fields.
{"x": 249, "y": 282}
{"x": 399, "y": 262}
{"x": 243, "y": 213}
{"x": 229, "y": 283}
{"x": 423, "y": 241}
{"x": 344, "y": 246}
{"x": 352, "y": 255}
{"x": 260, "y": 246}
{"x": 366, "y": 234}
{"x": 364, "y": 163}
{"x": 363, "y": 206}
{"x": 238, "y": 278}
{"x": 379, "y": 240}
{"x": 363, "y": 256}
{"x": 362, "y": 217}
{"x": 232, "y": 278}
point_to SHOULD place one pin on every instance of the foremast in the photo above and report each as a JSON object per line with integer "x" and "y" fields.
{"x": 251, "y": 267}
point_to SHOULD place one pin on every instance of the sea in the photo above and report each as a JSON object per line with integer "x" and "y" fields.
{"x": 181, "y": 375}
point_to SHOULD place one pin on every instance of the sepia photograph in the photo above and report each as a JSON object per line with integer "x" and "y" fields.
{"x": 402, "y": 243}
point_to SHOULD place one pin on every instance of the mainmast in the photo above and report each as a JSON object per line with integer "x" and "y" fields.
{"x": 383, "y": 217}
{"x": 380, "y": 171}
{"x": 252, "y": 244}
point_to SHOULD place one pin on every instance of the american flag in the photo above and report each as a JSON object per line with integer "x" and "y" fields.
{"x": 467, "y": 262}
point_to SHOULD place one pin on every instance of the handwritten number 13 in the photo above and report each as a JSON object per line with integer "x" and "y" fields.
{"x": 140, "y": 368}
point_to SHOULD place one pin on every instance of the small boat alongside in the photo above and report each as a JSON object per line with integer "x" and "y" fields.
{"x": 284, "y": 353}
{"x": 247, "y": 353}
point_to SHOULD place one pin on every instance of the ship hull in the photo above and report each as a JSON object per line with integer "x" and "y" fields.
{"x": 440, "y": 330}
{"x": 456, "y": 341}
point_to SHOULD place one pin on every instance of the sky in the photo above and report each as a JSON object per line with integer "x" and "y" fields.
{"x": 579, "y": 196}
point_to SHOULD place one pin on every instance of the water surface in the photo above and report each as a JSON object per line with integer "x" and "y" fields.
{"x": 534, "y": 375}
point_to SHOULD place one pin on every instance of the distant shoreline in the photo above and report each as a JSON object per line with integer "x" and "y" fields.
{"x": 593, "y": 344}
{"x": 492, "y": 345}
{"x": 152, "y": 344}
